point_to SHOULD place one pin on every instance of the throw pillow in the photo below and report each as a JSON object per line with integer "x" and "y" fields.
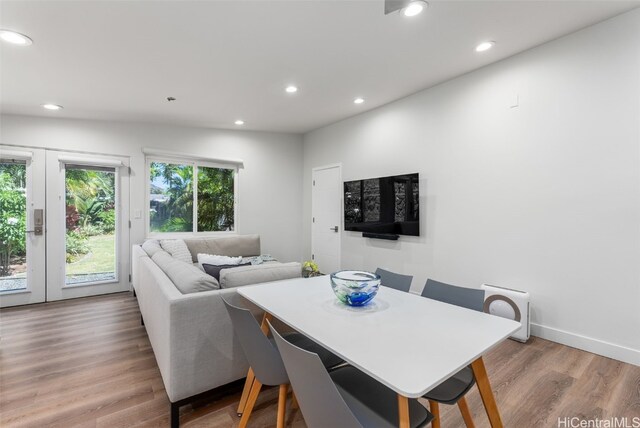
{"x": 186, "y": 277}
{"x": 212, "y": 259}
{"x": 151, "y": 246}
{"x": 214, "y": 270}
{"x": 248, "y": 275}
{"x": 258, "y": 260}
{"x": 177, "y": 248}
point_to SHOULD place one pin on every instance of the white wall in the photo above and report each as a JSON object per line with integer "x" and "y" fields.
{"x": 270, "y": 186}
{"x": 544, "y": 197}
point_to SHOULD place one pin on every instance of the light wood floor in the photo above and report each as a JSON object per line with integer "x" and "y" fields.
{"x": 88, "y": 362}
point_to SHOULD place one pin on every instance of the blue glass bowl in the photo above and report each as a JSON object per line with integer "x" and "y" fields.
{"x": 354, "y": 287}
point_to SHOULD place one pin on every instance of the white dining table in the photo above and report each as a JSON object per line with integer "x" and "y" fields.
{"x": 407, "y": 342}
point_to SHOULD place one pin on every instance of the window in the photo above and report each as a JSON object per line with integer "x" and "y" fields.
{"x": 186, "y": 196}
{"x": 215, "y": 199}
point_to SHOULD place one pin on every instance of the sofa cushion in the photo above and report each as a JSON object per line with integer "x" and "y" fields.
{"x": 177, "y": 248}
{"x": 186, "y": 277}
{"x": 232, "y": 246}
{"x": 214, "y": 270}
{"x": 256, "y": 274}
{"x": 151, "y": 246}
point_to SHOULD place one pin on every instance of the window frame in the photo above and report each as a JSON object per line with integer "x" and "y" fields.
{"x": 195, "y": 164}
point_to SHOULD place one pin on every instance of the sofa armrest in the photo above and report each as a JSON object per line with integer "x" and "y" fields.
{"x": 154, "y": 293}
{"x": 191, "y": 335}
{"x": 204, "y": 350}
{"x": 136, "y": 253}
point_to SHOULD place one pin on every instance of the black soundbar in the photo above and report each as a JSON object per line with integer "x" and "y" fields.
{"x": 388, "y": 236}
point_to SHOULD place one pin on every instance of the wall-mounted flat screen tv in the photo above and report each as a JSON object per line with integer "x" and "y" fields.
{"x": 385, "y": 205}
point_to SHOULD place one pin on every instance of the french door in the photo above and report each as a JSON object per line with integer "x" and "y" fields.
{"x": 22, "y": 241}
{"x": 87, "y": 225}
{"x": 74, "y": 239}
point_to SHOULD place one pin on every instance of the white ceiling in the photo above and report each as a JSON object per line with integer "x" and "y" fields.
{"x": 225, "y": 60}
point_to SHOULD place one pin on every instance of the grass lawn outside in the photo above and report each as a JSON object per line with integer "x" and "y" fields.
{"x": 100, "y": 259}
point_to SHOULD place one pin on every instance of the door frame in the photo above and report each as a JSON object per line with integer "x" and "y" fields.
{"x": 36, "y": 245}
{"x": 341, "y": 222}
{"x": 56, "y": 226}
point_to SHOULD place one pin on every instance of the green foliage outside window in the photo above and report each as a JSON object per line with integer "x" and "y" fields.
{"x": 91, "y": 194}
{"x": 77, "y": 244}
{"x": 171, "y": 198}
{"x": 90, "y": 201}
{"x": 215, "y": 199}
{"x": 13, "y": 210}
{"x": 90, "y": 211}
{"x": 171, "y": 201}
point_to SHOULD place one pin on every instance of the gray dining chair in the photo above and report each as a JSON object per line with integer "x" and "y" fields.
{"x": 265, "y": 361}
{"x": 453, "y": 390}
{"x": 394, "y": 280}
{"x": 345, "y": 397}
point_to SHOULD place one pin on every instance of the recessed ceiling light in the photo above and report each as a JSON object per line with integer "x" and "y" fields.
{"x": 15, "y": 38}
{"x": 239, "y": 122}
{"x": 291, "y": 89}
{"x": 485, "y": 46}
{"x": 358, "y": 100}
{"x": 52, "y": 106}
{"x": 414, "y": 8}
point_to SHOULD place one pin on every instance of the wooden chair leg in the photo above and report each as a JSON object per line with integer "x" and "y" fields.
{"x": 251, "y": 401}
{"x": 435, "y": 410}
{"x": 248, "y": 384}
{"x": 466, "y": 413}
{"x": 282, "y": 405}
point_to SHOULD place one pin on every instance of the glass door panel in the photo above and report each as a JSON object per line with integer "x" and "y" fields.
{"x": 22, "y": 241}
{"x": 91, "y": 252}
{"x": 13, "y": 222}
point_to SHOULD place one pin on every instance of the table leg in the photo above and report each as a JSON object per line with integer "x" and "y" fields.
{"x": 250, "y": 376}
{"x": 486, "y": 393}
{"x": 403, "y": 411}
{"x": 264, "y": 326}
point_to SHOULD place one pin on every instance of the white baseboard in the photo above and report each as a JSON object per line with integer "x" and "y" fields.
{"x": 610, "y": 350}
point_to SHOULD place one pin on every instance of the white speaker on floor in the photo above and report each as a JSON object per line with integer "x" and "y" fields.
{"x": 510, "y": 304}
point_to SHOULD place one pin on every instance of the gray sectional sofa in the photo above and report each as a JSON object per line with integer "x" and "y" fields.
{"x": 191, "y": 334}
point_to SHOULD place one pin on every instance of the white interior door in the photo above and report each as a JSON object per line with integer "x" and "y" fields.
{"x": 87, "y": 225}
{"x": 326, "y": 209}
{"x": 22, "y": 241}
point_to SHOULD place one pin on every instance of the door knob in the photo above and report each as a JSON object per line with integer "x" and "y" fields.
{"x": 334, "y": 228}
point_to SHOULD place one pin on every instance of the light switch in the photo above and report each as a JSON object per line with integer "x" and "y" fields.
{"x": 137, "y": 213}
{"x": 515, "y": 101}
